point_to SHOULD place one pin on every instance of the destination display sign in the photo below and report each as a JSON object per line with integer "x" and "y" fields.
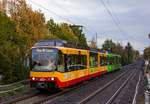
{"x": 44, "y": 50}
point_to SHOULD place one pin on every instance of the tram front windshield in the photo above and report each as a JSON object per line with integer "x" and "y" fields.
{"x": 44, "y": 59}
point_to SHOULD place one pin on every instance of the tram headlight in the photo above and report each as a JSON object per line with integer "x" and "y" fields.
{"x": 52, "y": 78}
{"x": 33, "y": 78}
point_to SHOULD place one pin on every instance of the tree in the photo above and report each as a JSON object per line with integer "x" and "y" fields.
{"x": 128, "y": 52}
{"x": 119, "y": 49}
{"x": 3, "y": 5}
{"x": 136, "y": 54}
{"x": 61, "y": 31}
{"x": 11, "y": 50}
{"x": 147, "y": 53}
{"x": 109, "y": 46}
{"x": 79, "y": 34}
{"x": 28, "y": 22}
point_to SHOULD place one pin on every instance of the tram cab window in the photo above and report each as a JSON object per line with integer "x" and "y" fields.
{"x": 60, "y": 63}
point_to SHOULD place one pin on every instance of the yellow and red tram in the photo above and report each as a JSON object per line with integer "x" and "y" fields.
{"x": 56, "y": 66}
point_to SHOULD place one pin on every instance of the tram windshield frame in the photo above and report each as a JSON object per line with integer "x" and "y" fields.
{"x": 44, "y": 59}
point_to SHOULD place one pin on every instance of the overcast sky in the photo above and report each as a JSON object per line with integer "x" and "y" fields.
{"x": 130, "y": 20}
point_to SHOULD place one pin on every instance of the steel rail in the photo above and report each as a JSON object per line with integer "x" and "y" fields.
{"x": 100, "y": 89}
{"x": 120, "y": 88}
{"x": 136, "y": 90}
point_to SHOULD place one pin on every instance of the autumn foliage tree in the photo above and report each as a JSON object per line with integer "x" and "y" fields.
{"x": 29, "y": 23}
{"x": 61, "y": 31}
{"x": 12, "y": 54}
{"x": 66, "y": 32}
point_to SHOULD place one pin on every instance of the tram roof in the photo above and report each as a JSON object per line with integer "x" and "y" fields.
{"x": 66, "y": 44}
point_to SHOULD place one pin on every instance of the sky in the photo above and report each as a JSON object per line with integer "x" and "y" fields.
{"x": 120, "y": 20}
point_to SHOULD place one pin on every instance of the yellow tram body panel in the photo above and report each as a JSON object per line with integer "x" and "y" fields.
{"x": 63, "y": 77}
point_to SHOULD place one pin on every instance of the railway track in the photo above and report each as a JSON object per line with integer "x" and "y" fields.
{"x": 102, "y": 89}
{"x": 120, "y": 88}
{"x": 109, "y": 100}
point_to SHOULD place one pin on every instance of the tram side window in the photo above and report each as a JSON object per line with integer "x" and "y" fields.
{"x": 113, "y": 58}
{"x": 93, "y": 59}
{"x": 116, "y": 60}
{"x": 83, "y": 62}
{"x": 106, "y": 60}
{"x": 60, "y": 64}
{"x": 66, "y": 62}
{"x": 119, "y": 60}
{"x": 109, "y": 60}
{"x": 76, "y": 62}
{"x": 102, "y": 60}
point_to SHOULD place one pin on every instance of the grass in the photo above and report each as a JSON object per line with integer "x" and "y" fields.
{"x": 16, "y": 92}
{"x": 10, "y": 87}
{"x": 26, "y": 88}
